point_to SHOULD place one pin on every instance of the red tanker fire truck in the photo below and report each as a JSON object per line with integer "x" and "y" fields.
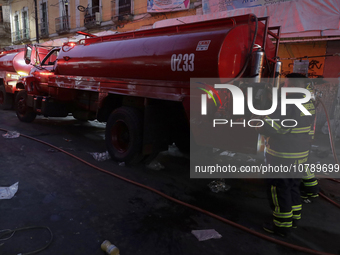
{"x": 12, "y": 66}
{"x": 139, "y": 82}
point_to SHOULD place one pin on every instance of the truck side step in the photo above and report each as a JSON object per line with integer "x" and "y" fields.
{"x": 50, "y": 108}
{"x": 37, "y": 103}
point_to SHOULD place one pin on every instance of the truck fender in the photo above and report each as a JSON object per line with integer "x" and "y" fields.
{"x": 26, "y": 83}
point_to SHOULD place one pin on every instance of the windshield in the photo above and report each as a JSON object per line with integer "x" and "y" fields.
{"x": 50, "y": 58}
{"x": 28, "y": 53}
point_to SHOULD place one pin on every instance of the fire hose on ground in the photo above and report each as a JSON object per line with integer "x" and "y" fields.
{"x": 268, "y": 238}
{"x": 263, "y": 236}
{"x": 333, "y": 151}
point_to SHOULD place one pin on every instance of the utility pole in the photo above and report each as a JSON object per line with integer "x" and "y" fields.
{"x": 36, "y": 21}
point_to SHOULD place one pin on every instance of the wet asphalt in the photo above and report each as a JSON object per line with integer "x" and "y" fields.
{"x": 83, "y": 206}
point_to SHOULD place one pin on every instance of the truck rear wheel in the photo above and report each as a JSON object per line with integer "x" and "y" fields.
{"x": 6, "y": 99}
{"x": 124, "y": 135}
{"x": 24, "y": 112}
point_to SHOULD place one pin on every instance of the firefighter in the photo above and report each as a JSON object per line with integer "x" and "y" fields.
{"x": 309, "y": 187}
{"x": 286, "y": 147}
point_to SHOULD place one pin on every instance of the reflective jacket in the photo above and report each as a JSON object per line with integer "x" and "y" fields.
{"x": 289, "y": 142}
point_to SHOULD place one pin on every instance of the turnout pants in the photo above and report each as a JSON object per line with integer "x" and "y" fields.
{"x": 284, "y": 196}
{"x": 309, "y": 186}
{"x": 285, "y": 202}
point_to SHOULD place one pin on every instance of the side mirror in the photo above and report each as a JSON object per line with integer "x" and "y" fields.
{"x": 28, "y": 53}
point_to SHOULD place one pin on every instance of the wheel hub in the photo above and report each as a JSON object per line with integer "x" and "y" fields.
{"x": 120, "y": 136}
{"x": 21, "y": 106}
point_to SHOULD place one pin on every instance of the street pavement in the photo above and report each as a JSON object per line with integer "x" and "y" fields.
{"x": 83, "y": 206}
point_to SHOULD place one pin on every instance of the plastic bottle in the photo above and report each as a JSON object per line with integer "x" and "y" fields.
{"x": 109, "y": 248}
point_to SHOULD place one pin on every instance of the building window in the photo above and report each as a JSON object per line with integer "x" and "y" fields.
{"x": 43, "y": 26}
{"x": 66, "y": 24}
{"x": 25, "y": 30}
{"x": 62, "y": 23}
{"x": 1, "y": 16}
{"x": 95, "y": 6}
{"x": 92, "y": 15}
{"x": 124, "y": 7}
{"x": 16, "y": 28}
{"x": 44, "y": 12}
{"x": 121, "y": 10}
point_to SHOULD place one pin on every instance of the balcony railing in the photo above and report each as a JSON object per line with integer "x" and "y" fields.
{"x": 16, "y": 37}
{"x": 92, "y": 16}
{"x": 43, "y": 30}
{"x": 21, "y": 35}
{"x": 62, "y": 24}
{"x": 25, "y": 34}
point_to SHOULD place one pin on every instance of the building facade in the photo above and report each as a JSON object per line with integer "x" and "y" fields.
{"x": 63, "y": 18}
{"x": 5, "y": 26}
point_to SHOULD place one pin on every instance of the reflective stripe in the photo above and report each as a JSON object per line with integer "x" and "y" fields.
{"x": 283, "y": 224}
{"x": 283, "y": 215}
{"x": 275, "y": 200}
{"x": 284, "y": 131}
{"x": 312, "y": 195}
{"x": 287, "y": 154}
{"x": 297, "y": 216}
{"x": 296, "y": 207}
{"x": 272, "y": 123}
{"x": 308, "y": 177}
{"x": 310, "y": 184}
{"x": 300, "y": 130}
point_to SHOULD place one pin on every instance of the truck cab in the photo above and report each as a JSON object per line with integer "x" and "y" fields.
{"x": 13, "y": 67}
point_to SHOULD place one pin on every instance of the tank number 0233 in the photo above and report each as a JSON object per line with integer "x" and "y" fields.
{"x": 183, "y": 62}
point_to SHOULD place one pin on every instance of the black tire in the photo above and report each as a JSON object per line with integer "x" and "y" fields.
{"x": 24, "y": 113}
{"x": 6, "y": 99}
{"x": 124, "y": 135}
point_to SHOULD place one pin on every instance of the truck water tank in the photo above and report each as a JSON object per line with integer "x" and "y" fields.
{"x": 14, "y": 62}
{"x": 214, "y": 52}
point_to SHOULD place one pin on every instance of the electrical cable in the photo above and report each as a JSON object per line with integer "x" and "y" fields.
{"x": 13, "y": 231}
{"x": 253, "y": 232}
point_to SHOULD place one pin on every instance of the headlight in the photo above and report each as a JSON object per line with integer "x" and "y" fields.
{"x": 22, "y": 73}
{"x": 14, "y": 76}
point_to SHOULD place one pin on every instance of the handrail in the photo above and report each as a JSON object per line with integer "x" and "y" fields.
{"x": 265, "y": 19}
{"x": 275, "y": 36}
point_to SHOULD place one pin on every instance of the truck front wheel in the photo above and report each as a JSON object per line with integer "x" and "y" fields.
{"x": 6, "y": 99}
{"x": 124, "y": 135}
{"x": 24, "y": 112}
